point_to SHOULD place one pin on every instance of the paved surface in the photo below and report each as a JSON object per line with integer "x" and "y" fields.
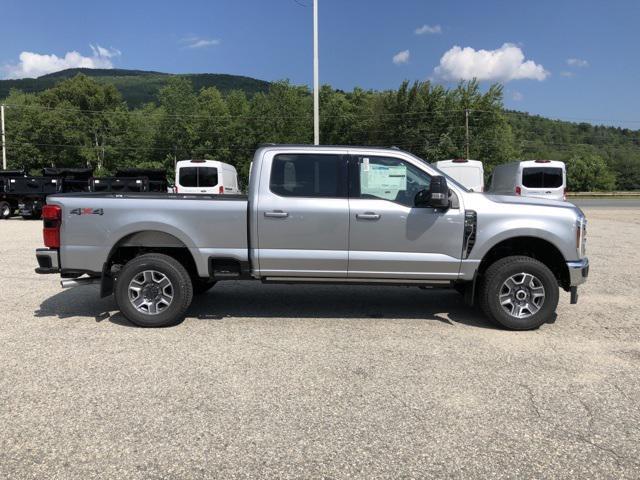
{"x": 606, "y": 202}
{"x": 320, "y": 382}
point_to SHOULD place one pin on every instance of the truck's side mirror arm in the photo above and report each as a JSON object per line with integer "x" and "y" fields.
{"x": 422, "y": 198}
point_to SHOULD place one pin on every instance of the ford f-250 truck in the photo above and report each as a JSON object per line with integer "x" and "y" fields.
{"x": 321, "y": 214}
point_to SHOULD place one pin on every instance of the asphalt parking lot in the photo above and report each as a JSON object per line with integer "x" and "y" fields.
{"x": 265, "y": 381}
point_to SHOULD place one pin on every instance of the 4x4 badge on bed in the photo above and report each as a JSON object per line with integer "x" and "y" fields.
{"x": 87, "y": 211}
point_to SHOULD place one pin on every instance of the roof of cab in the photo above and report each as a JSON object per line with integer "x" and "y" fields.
{"x": 326, "y": 147}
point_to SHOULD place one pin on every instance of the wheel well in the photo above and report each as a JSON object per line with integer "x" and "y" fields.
{"x": 533, "y": 247}
{"x": 140, "y": 243}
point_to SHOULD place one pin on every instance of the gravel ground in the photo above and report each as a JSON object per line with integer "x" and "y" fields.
{"x": 320, "y": 382}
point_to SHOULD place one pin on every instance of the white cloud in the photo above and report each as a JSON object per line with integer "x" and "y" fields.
{"x": 99, "y": 51}
{"x": 567, "y": 74}
{"x": 401, "y": 57}
{"x": 577, "y": 62}
{"x": 194, "y": 41}
{"x": 503, "y": 64}
{"x": 33, "y": 65}
{"x": 517, "y": 96}
{"x": 428, "y": 29}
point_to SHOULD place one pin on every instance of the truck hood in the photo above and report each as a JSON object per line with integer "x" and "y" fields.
{"x": 534, "y": 201}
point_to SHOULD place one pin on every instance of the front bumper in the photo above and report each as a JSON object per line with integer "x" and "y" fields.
{"x": 578, "y": 272}
{"x": 47, "y": 261}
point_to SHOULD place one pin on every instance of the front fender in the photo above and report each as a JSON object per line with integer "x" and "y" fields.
{"x": 491, "y": 235}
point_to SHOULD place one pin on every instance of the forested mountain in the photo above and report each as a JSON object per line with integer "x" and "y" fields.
{"x": 88, "y": 121}
{"x": 136, "y": 86}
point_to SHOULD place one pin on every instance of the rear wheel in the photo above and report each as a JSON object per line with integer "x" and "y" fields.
{"x": 520, "y": 293}
{"x": 153, "y": 290}
{"x": 5, "y": 211}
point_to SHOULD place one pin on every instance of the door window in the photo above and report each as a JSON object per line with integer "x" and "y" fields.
{"x": 207, "y": 177}
{"x": 392, "y": 179}
{"x": 308, "y": 175}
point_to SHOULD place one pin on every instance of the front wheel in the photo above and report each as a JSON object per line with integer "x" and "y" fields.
{"x": 520, "y": 293}
{"x": 153, "y": 290}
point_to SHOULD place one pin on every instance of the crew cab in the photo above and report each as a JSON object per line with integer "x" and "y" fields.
{"x": 356, "y": 215}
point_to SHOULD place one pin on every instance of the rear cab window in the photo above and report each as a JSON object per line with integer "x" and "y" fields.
{"x": 542, "y": 177}
{"x": 309, "y": 175}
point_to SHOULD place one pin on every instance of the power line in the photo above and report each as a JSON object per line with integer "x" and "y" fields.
{"x": 239, "y": 147}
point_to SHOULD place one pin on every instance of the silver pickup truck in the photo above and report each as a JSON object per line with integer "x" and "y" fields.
{"x": 355, "y": 215}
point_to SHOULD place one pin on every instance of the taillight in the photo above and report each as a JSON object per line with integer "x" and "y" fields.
{"x": 52, "y": 219}
{"x": 518, "y": 190}
{"x": 564, "y": 194}
{"x": 221, "y": 190}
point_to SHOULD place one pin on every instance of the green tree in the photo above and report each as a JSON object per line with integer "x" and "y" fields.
{"x": 587, "y": 172}
{"x": 177, "y": 130}
{"x": 82, "y": 113}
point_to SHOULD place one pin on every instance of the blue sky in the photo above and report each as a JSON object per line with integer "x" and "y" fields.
{"x": 525, "y": 44}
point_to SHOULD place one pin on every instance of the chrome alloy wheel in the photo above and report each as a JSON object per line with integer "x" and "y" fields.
{"x": 150, "y": 292}
{"x": 522, "y": 295}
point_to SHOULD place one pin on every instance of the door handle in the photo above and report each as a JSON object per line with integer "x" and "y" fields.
{"x": 368, "y": 216}
{"x": 276, "y": 214}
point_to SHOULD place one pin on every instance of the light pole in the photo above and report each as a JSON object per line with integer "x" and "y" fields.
{"x": 316, "y": 86}
{"x": 4, "y": 143}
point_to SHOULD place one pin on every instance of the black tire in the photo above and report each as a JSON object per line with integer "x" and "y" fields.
{"x": 181, "y": 290}
{"x": 202, "y": 285}
{"x": 493, "y": 285}
{"x": 5, "y": 211}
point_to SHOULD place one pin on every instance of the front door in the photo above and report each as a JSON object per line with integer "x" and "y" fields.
{"x": 390, "y": 238}
{"x": 303, "y": 215}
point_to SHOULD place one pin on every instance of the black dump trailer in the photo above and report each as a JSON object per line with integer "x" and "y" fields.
{"x": 119, "y": 184}
{"x": 132, "y": 180}
{"x": 157, "y": 177}
{"x": 8, "y": 203}
{"x": 71, "y": 179}
{"x": 31, "y": 192}
{"x": 27, "y": 194}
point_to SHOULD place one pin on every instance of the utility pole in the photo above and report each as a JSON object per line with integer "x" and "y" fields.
{"x": 316, "y": 92}
{"x": 466, "y": 124}
{"x": 4, "y": 142}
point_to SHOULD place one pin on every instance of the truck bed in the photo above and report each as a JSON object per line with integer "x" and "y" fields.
{"x": 94, "y": 223}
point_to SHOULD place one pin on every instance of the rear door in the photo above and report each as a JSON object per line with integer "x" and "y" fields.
{"x": 197, "y": 179}
{"x": 389, "y": 237}
{"x": 303, "y": 214}
{"x": 544, "y": 182}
